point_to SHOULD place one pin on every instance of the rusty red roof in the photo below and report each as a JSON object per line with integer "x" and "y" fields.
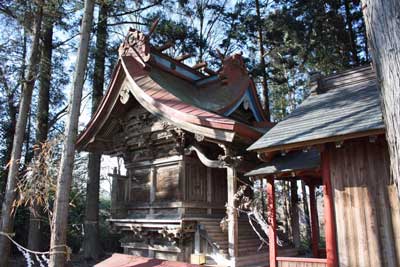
{"x": 122, "y": 260}
{"x": 179, "y": 94}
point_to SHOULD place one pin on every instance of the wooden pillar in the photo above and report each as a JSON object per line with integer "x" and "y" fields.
{"x": 232, "y": 216}
{"x": 314, "y": 221}
{"x": 330, "y": 232}
{"x": 272, "y": 222}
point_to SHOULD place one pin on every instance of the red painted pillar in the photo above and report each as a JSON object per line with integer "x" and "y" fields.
{"x": 330, "y": 232}
{"x": 314, "y": 221}
{"x": 272, "y": 222}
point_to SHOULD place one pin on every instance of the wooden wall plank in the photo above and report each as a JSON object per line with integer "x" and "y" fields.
{"x": 366, "y": 213}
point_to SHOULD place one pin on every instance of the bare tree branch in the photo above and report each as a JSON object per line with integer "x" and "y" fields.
{"x": 61, "y": 43}
{"x": 126, "y": 22}
{"x": 136, "y": 10}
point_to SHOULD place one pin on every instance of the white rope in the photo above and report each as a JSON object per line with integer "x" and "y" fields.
{"x": 8, "y": 235}
{"x": 42, "y": 257}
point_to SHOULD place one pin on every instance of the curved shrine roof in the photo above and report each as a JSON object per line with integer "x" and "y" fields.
{"x": 182, "y": 95}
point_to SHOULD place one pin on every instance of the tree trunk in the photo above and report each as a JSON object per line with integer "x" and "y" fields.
{"x": 306, "y": 211}
{"x": 12, "y": 116}
{"x": 42, "y": 121}
{"x": 91, "y": 242}
{"x": 28, "y": 152}
{"x": 60, "y": 213}
{"x": 382, "y": 21}
{"x": 286, "y": 208}
{"x": 294, "y": 214}
{"x": 7, "y": 218}
{"x": 262, "y": 62}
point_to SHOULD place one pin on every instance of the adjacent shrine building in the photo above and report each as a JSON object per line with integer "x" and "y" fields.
{"x": 336, "y": 139}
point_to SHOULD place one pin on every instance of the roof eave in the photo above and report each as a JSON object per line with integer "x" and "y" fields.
{"x": 87, "y": 135}
{"x": 315, "y": 142}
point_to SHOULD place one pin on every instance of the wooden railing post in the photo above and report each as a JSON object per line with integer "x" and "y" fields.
{"x": 314, "y": 221}
{"x": 272, "y": 221}
{"x": 330, "y": 234}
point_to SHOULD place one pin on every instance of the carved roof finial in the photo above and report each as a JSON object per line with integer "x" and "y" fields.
{"x": 136, "y": 44}
{"x": 232, "y": 66}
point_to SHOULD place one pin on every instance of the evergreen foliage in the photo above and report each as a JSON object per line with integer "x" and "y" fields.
{"x": 299, "y": 38}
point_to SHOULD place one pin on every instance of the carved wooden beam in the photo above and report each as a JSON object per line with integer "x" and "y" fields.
{"x": 223, "y": 161}
{"x": 203, "y": 158}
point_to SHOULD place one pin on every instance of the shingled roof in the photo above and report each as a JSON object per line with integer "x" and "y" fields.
{"x": 345, "y": 105}
{"x": 293, "y": 162}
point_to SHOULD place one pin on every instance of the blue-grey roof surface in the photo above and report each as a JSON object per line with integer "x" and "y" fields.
{"x": 294, "y": 161}
{"x": 350, "y": 105}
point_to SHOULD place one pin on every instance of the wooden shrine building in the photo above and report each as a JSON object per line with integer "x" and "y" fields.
{"x": 182, "y": 132}
{"x": 336, "y": 139}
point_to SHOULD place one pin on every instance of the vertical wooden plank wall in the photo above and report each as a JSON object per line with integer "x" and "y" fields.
{"x": 366, "y": 207}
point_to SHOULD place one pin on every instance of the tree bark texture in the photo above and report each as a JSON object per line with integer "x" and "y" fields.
{"x": 382, "y": 21}
{"x": 306, "y": 211}
{"x": 12, "y": 111}
{"x": 7, "y": 218}
{"x": 42, "y": 121}
{"x": 286, "y": 208}
{"x": 262, "y": 62}
{"x": 59, "y": 222}
{"x": 294, "y": 214}
{"x": 91, "y": 242}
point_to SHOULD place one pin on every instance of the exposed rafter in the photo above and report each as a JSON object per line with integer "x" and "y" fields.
{"x": 164, "y": 47}
{"x": 183, "y": 57}
{"x": 199, "y": 65}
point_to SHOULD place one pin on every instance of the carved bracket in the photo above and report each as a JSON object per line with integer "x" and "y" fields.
{"x": 223, "y": 161}
{"x": 171, "y": 234}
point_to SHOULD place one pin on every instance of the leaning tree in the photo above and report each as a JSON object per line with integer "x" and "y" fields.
{"x": 58, "y": 247}
{"x": 7, "y": 214}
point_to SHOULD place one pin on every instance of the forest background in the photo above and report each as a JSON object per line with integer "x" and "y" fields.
{"x": 283, "y": 42}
